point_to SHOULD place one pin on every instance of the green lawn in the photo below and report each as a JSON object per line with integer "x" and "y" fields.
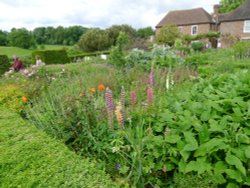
{"x": 10, "y": 51}
{"x": 20, "y": 52}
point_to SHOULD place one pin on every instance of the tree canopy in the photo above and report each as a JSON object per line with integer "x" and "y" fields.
{"x": 21, "y": 38}
{"x": 168, "y": 34}
{"x": 229, "y": 5}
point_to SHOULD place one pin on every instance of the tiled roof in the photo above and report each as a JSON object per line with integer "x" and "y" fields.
{"x": 241, "y": 13}
{"x": 186, "y": 17}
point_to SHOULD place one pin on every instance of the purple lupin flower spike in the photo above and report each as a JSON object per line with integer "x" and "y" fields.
{"x": 123, "y": 96}
{"x": 151, "y": 78}
{"x": 109, "y": 106}
{"x": 150, "y": 95}
{"x": 133, "y": 98}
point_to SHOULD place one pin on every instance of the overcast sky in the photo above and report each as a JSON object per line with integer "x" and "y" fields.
{"x": 91, "y": 13}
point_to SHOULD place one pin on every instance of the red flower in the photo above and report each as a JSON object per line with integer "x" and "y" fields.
{"x": 25, "y": 100}
{"x": 101, "y": 87}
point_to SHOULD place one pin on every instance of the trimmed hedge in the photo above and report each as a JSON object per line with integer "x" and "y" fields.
{"x": 30, "y": 158}
{"x": 52, "y": 56}
{"x": 4, "y": 64}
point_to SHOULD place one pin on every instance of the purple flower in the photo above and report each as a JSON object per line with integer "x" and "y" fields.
{"x": 151, "y": 78}
{"x": 109, "y": 106}
{"x": 150, "y": 95}
{"x": 133, "y": 98}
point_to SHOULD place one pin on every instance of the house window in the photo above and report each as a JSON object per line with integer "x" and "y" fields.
{"x": 247, "y": 26}
{"x": 194, "y": 29}
{"x": 180, "y": 28}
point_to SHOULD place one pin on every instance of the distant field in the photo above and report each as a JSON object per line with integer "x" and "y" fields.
{"x": 10, "y": 51}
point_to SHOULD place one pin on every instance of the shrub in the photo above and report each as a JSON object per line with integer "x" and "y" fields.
{"x": 52, "y": 56}
{"x": 229, "y": 40}
{"x": 75, "y": 57}
{"x": 168, "y": 34}
{"x": 4, "y": 64}
{"x": 242, "y": 50}
{"x": 30, "y": 158}
{"x": 196, "y": 59}
{"x": 197, "y": 46}
{"x": 11, "y": 97}
{"x": 116, "y": 55}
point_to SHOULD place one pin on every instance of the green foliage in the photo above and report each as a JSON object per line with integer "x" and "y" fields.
{"x": 94, "y": 40}
{"x": 168, "y": 34}
{"x": 80, "y": 55}
{"x": 196, "y": 59}
{"x": 52, "y": 56}
{"x": 4, "y": 64}
{"x": 30, "y": 158}
{"x": 242, "y": 50}
{"x": 72, "y": 113}
{"x": 116, "y": 55}
{"x": 193, "y": 180}
{"x": 145, "y": 32}
{"x": 210, "y": 127}
{"x": 11, "y": 97}
{"x": 3, "y": 38}
{"x": 197, "y": 46}
{"x": 59, "y": 35}
{"x": 229, "y": 5}
{"x": 114, "y": 31}
{"x": 159, "y": 56}
{"x": 21, "y": 38}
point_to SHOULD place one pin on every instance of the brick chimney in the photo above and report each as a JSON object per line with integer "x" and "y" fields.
{"x": 216, "y": 12}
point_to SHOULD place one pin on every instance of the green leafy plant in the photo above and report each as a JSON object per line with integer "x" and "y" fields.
{"x": 208, "y": 128}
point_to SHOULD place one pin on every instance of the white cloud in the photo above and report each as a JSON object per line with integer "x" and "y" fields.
{"x": 90, "y": 13}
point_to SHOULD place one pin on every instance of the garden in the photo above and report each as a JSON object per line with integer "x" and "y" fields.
{"x": 164, "y": 117}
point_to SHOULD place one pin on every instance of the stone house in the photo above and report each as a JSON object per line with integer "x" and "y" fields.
{"x": 232, "y": 26}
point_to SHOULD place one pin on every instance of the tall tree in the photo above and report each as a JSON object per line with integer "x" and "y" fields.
{"x": 39, "y": 35}
{"x": 94, "y": 40}
{"x": 115, "y": 30}
{"x": 21, "y": 38}
{"x": 3, "y": 38}
{"x": 74, "y": 33}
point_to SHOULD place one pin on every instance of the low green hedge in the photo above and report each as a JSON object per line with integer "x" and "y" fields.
{"x": 52, "y": 56}
{"x": 30, "y": 158}
{"x": 4, "y": 64}
{"x": 87, "y": 54}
